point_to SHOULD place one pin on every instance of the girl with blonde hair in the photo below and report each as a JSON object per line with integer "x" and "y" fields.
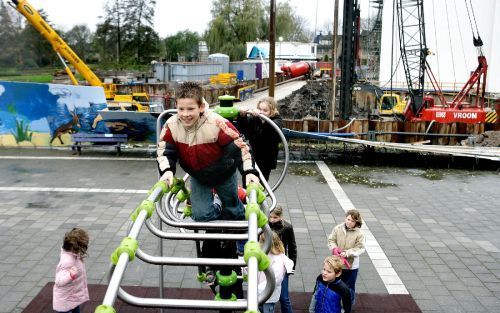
{"x": 264, "y": 139}
{"x": 281, "y": 265}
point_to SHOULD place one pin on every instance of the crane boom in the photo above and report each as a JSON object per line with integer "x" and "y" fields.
{"x": 413, "y": 48}
{"x": 60, "y": 46}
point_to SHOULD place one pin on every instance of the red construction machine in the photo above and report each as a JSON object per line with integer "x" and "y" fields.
{"x": 414, "y": 52}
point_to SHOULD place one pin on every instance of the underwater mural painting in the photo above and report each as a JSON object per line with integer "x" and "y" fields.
{"x": 40, "y": 115}
{"x": 34, "y": 114}
{"x": 139, "y": 126}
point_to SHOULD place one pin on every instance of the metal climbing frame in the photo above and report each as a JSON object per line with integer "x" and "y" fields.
{"x": 165, "y": 202}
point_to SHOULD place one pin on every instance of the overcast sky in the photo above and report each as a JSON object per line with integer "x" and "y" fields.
{"x": 171, "y": 16}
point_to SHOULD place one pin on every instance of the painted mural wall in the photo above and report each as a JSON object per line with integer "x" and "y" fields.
{"x": 46, "y": 114}
{"x": 39, "y": 115}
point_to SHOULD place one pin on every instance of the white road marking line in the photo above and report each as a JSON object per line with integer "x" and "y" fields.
{"x": 384, "y": 268}
{"x": 76, "y": 190}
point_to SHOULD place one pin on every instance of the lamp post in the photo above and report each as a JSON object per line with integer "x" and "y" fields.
{"x": 334, "y": 58}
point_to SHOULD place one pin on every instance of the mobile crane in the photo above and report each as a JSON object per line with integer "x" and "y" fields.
{"x": 133, "y": 102}
{"x": 414, "y": 52}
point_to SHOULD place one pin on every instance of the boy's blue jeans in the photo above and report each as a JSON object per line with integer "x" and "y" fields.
{"x": 203, "y": 208}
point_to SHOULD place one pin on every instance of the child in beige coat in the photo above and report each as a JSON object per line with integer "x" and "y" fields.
{"x": 348, "y": 242}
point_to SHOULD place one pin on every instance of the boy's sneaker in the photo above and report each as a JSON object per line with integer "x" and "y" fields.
{"x": 210, "y": 277}
{"x": 217, "y": 202}
{"x": 242, "y": 194}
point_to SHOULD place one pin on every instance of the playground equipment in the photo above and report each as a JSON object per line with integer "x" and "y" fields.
{"x": 166, "y": 203}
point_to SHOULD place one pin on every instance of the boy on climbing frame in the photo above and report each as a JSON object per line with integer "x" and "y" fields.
{"x": 210, "y": 149}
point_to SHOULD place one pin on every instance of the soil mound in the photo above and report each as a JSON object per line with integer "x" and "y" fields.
{"x": 487, "y": 139}
{"x": 313, "y": 98}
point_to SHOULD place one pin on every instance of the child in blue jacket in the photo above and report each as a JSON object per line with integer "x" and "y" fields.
{"x": 330, "y": 293}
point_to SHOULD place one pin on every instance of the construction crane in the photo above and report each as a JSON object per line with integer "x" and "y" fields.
{"x": 413, "y": 55}
{"x": 134, "y": 101}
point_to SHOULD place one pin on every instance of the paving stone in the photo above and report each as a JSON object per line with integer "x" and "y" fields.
{"x": 8, "y": 306}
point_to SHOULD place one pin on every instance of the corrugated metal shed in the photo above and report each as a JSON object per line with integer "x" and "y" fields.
{"x": 191, "y": 71}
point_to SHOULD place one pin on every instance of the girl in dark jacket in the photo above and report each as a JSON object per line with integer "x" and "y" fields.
{"x": 287, "y": 236}
{"x": 264, "y": 139}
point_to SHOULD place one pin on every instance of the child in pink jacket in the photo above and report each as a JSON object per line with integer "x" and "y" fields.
{"x": 70, "y": 288}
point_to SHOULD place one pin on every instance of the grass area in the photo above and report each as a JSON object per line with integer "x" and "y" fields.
{"x": 37, "y": 78}
{"x": 344, "y": 174}
{"x": 303, "y": 169}
{"x": 44, "y": 75}
{"x": 359, "y": 175}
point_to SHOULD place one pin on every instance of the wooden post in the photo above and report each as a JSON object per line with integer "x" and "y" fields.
{"x": 334, "y": 57}
{"x": 272, "y": 33}
{"x": 453, "y": 130}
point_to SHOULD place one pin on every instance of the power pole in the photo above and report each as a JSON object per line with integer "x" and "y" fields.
{"x": 334, "y": 58}
{"x": 272, "y": 31}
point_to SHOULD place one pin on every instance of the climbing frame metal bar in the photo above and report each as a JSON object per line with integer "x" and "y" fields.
{"x": 114, "y": 283}
{"x": 162, "y": 200}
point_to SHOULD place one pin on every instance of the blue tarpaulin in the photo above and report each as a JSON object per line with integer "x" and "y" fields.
{"x": 257, "y": 53}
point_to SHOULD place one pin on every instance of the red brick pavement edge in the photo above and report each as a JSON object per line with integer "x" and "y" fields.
{"x": 365, "y": 302}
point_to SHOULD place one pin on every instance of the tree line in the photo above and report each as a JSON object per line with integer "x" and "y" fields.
{"x": 125, "y": 37}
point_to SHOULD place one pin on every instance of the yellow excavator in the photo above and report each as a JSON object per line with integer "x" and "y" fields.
{"x": 391, "y": 104}
{"x": 131, "y": 102}
{"x": 386, "y": 103}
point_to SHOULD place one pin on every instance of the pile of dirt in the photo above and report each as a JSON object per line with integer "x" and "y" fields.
{"x": 313, "y": 98}
{"x": 487, "y": 139}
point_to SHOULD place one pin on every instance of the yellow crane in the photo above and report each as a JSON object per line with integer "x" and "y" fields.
{"x": 134, "y": 102}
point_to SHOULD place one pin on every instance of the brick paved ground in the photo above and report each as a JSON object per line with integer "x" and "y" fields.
{"x": 441, "y": 236}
